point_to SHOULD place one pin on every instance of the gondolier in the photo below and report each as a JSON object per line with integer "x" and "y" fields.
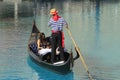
{"x": 57, "y": 23}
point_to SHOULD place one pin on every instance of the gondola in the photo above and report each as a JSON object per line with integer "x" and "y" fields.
{"x": 44, "y": 61}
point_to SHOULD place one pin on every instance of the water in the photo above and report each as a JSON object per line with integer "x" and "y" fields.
{"x": 95, "y": 28}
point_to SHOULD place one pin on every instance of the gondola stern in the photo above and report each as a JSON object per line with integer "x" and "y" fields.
{"x": 77, "y": 55}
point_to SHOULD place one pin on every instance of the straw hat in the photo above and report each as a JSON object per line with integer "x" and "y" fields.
{"x": 53, "y": 11}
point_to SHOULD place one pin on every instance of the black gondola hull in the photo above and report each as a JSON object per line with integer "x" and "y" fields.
{"x": 62, "y": 68}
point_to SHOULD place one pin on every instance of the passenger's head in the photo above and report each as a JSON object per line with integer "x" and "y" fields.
{"x": 48, "y": 45}
{"x": 42, "y": 35}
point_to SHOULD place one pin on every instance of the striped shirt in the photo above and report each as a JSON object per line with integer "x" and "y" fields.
{"x": 57, "y": 25}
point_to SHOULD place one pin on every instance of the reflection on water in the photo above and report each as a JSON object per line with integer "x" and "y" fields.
{"x": 94, "y": 25}
{"x": 12, "y": 9}
{"x": 44, "y": 74}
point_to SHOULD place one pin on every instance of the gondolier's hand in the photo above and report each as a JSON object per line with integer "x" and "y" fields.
{"x": 67, "y": 26}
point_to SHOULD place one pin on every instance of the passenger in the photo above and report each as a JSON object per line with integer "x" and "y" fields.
{"x": 41, "y": 42}
{"x": 46, "y": 50}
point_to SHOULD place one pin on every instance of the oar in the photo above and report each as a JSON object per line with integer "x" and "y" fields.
{"x": 81, "y": 57}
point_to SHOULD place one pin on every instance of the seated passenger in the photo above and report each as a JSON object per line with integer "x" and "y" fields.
{"x": 44, "y": 51}
{"x": 41, "y": 42}
{"x": 33, "y": 47}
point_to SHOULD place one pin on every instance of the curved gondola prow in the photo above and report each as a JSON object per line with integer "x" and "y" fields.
{"x": 35, "y": 29}
{"x": 34, "y": 33}
{"x": 33, "y": 37}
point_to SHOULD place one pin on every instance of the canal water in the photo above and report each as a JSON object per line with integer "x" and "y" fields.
{"x": 94, "y": 25}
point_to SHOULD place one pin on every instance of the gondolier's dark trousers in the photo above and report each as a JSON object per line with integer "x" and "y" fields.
{"x": 57, "y": 42}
